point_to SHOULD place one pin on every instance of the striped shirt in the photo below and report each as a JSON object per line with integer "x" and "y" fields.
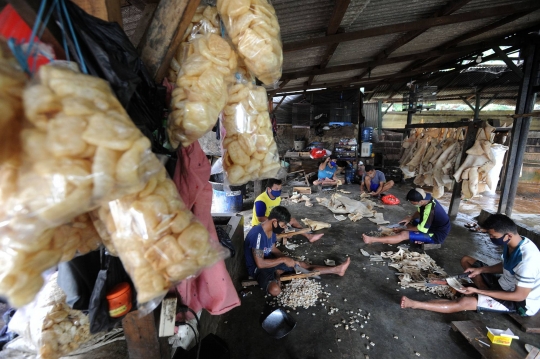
{"x": 522, "y": 268}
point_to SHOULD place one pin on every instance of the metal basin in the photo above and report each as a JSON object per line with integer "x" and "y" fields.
{"x": 278, "y": 323}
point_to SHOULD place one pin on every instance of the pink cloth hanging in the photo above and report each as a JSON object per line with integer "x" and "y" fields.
{"x": 213, "y": 289}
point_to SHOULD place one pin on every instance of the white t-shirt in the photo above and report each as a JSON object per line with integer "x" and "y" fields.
{"x": 522, "y": 268}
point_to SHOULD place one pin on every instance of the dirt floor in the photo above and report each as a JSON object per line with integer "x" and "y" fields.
{"x": 372, "y": 288}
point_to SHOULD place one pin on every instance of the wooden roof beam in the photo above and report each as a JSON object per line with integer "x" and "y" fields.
{"x": 411, "y": 26}
{"x": 470, "y": 35}
{"x": 508, "y": 62}
{"x": 463, "y": 50}
{"x": 340, "y": 8}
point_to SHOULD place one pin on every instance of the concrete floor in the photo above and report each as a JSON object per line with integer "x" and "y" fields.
{"x": 315, "y": 335}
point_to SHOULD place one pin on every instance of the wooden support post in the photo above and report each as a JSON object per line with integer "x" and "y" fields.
{"x": 453, "y": 208}
{"x": 520, "y": 129}
{"x": 410, "y": 110}
{"x": 477, "y": 106}
{"x": 141, "y": 336}
{"x": 379, "y": 117}
{"x": 143, "y": 24}
{"x": 164, "y": 35}
{"x": 108, "y": 10}
{"x": 388, "y": 108}
{"x": 467, "y": 102}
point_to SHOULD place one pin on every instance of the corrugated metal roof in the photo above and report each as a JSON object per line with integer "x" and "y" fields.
{"x": 337, "y": 76}
{"x": 438, "y": 35}
{"x": 478, "y": 5}
{"x": 361, "y": 50}
{"x": 519, "y": 24}
{"x": 388, "y": 12}
{"x": 385, "y": 69}
{"x": 303, "y": 58}
{"x": 303, "y": 19}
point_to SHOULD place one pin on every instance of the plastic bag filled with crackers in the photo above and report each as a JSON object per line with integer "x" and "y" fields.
{"x": 201, "y": 91}
{"x": 249, "y": 150}
{"x": 253, "y": 27}
{"x": 64, "y": 168}
{"x": 205, "y": 21}
{"x": 80, "y": 149}
{"x": 49, "y": 325}
{"x": 158, "y": 239}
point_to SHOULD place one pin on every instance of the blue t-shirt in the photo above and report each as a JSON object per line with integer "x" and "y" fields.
{"x": 328, "y": 172}
{"x": 257, "y": 239}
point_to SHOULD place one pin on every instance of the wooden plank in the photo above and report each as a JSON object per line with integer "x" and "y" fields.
{"x": 141, "y": 336}
{"x": 108, "y": 10}
{"x": 455, "y": 124}
{"x": 284, "y": 278}
{"x": 410, "y": 26}
{"x": 474, "y": 330}
{"x": 143, "y": 24}
{"x": 528, "y": 324}
{"x": 164, "y": 35}
{"x": 52, "y": 35}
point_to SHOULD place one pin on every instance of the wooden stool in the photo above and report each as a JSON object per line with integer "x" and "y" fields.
{"x": 528, "y": 324}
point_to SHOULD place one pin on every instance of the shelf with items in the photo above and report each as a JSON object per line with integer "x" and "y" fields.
{"x": 345, "y": 152}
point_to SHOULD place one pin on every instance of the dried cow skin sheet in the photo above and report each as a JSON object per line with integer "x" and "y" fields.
{"x": 378, "y": 219}
{"x": 315, "y": 225}
{"x": 340, "y": 204}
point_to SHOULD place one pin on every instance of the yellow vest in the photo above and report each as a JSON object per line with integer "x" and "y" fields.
{"x": 270, "y": 204}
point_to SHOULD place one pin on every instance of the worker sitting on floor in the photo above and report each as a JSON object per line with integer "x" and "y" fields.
{"x": 430, "y": 224}
{"x": 266, "y": 263}
{"x": 516, "y": 290}
{"x": 374, "y": 182}
{"x": 327, "y": 173}
{"x": 271, "y": 198}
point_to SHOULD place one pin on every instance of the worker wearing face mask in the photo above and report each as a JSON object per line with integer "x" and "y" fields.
{"x": 266, "y": 263}
{"x": 429, "y": 224}
{"x": 512, "y": 285}
{"x": 327, "y": 173}
{"x": 268, "y": 200}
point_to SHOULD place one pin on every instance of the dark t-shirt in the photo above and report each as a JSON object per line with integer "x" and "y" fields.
{"x": 257, "y": 239}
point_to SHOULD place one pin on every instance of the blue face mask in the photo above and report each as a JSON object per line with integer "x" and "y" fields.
{"x": 333, "y": 163}
{"x": 275, "y": 193}
{"x": 499, "y": 241}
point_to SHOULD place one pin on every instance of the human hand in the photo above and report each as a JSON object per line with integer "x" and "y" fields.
{"x": 398, "y": 230}
{"x": 405, "y": 220}
{"x": 372, "y": 193}
{"x": 289, "y": 262}
{"x": 473, "y": 272}
{"x": 469, "y": 290}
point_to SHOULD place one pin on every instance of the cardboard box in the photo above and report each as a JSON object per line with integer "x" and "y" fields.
{"x": 501, "y": 337}
{"x": 302, "y": 190}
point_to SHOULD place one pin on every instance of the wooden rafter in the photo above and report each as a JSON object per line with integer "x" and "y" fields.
{"x": 393, "y": 77}
{"x": 470, "y": 35}
{"x": 508, "y": 61}
{"x": 340, "y": 8}
{"x": 279, "y": 103}
{"x": 448, "y": 9}
{"x": 462, "y": 50}
{"x": 411, "y": 26}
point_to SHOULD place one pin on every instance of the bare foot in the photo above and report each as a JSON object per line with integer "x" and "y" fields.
{"x": 407, "y": 303}
{"x": 368, "y": 239}
{"x": 314, "y": 237}
{"x": 342, "y": 268}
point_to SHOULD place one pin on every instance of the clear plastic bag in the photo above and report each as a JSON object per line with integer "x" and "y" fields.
{"x": 201, "y": 91}
{"x": 78, "y": 150}
{"x": 50, "y": 325}
{"x": 254, "y": 30}
{"x": 158, "y": 239}
{"x": 205, "y": 21}
{"x": 249, "y": 150}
